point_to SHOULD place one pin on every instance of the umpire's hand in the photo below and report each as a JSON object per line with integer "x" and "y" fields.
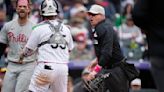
{"x": 92, "y": 64}
{"x": 91, "y": 75}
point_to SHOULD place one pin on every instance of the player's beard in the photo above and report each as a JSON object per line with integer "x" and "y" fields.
{"x": 23, "y": 14}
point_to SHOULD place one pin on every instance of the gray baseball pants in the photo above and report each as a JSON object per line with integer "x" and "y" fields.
{"x": 17, "y": 77}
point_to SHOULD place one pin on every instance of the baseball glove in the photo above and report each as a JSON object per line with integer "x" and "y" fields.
{"x": 96, "y": 85}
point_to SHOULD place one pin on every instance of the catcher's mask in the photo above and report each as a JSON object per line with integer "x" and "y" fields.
{"x": 49, "y": 8}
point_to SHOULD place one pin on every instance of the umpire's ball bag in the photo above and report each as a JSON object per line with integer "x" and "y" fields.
{"x": 130, "y": 70}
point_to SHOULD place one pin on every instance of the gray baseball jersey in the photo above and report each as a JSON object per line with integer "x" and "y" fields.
{"x": 16, "y": 36}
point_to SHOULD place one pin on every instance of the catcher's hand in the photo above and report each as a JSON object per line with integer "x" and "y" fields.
{"x": 42, "y": 79}
{"x": 95, "y": 84}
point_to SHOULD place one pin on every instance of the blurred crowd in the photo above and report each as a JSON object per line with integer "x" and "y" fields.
{"x": 73, "y": 13}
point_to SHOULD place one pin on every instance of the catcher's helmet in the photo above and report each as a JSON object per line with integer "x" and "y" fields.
{"x": 49, "y": 8}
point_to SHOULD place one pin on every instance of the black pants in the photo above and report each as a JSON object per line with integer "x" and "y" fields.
{"x": 157, "y": 70}
{"x": 117, "y": 80}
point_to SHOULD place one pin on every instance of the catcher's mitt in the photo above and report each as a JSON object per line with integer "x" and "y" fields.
{"x": 96, "y": 84}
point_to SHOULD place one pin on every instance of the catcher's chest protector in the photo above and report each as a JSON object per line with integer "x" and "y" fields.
{"x": 57, "y": 39}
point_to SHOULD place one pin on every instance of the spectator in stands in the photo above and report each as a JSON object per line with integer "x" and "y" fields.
{"x": 77, "y": 7}
{"x": 79, "y": 11}
{"x": 127, "y": 10}
{"x": 125, "y": 2}
{"x": 70, "y": 84}
{"x": 135, "y": 85}
{"x": 131, "y": 39}
{"x": 121, "y": 18}
{"x": 117, "y": 5}
{"x": 109, "y": 9}
{"x": 66, "y": 11}
{"x": 77, "y": 26}
{"x": 149, "y": 16}
{"x": 88, "y": 3}
{"x": 78, "y": 19}
{"x": 2, "y": 18}
{"x": 81, "y": 52}
{"x": 10, "y": 8}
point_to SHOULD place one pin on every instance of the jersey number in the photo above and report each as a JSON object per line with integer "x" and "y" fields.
{"x": 62, "y": 46}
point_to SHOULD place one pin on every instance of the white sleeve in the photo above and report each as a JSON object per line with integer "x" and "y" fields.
{"x": 126, "y": 35}
{"x": 33, "y": 41}
{"x": 3, "y": 35}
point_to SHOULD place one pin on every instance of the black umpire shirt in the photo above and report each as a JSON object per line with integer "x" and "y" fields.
{"x": 106, "y": 44}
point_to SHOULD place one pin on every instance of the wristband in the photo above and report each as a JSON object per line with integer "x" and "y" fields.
{"x": 97, "y": 68}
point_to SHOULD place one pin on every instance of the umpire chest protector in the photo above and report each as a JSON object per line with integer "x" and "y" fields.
{"x": 56, "y": 39}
